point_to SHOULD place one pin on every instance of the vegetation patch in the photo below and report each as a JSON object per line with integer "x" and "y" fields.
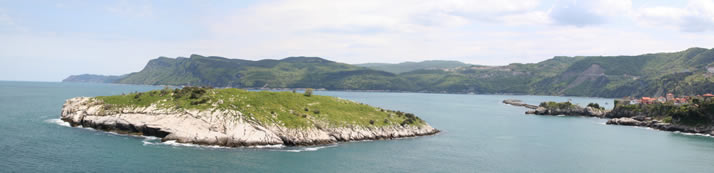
{"x": 289, "y": 109}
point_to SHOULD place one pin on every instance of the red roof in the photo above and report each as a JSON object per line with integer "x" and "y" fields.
{"x": 708, "y": 95}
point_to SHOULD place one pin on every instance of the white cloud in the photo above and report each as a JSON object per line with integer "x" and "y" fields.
{"x": 487, "y": 32}
{"x": 697, "y": 16}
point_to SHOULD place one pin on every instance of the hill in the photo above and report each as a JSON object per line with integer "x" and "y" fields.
{"x": 411, "y": 66}
{"x": 292, "y": 72}
{"x": 92, "y": 78}
{"x": 687, "y": 72}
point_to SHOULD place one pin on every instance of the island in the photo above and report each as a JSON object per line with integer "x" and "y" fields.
{"x": 234, "y": 117}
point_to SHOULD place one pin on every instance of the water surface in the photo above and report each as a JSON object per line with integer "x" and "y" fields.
{"x": 480, "y": 134}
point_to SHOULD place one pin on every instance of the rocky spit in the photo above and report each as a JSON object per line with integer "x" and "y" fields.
{"x": 615, "y": 118}
{"x": 576, "y": 111}
{"x": 519, "y": 103}
{"x": 219, "y": 127}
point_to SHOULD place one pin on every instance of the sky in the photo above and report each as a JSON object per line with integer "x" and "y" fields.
{"x": 50, "y": 40}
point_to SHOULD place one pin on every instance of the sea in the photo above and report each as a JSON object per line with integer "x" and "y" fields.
{"x": 479, "y": 134}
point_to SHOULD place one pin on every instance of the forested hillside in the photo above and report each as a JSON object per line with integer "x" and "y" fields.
{"x": 681, "y": 73}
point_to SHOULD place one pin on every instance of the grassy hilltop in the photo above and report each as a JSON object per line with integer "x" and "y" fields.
{"x": 288, "y": 109}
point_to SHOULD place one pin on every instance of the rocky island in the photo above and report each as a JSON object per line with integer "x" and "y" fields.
{"x": 233, "y": 117}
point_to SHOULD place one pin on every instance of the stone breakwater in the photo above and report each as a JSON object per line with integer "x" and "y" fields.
{"x": 219, "y": 127}
{"x": 519, "y": 103}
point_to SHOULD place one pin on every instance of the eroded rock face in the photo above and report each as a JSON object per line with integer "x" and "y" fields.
{"x": 217, "y": 127}
{"x": 655, "y": 124}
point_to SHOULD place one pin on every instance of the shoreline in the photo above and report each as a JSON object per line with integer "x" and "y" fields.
{"x": 227, "y": 128}
{"x": 256, "y": 146}
{"x": 347, "y": 90}
{"x": 631, "y": 121}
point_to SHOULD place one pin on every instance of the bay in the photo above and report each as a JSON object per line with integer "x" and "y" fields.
{"x": 480, "y": 134}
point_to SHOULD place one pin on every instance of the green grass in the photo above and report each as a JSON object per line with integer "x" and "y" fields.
{"x": 292, "y": 110}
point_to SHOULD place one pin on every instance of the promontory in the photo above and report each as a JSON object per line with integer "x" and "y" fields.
{"x": 234, "y": 117}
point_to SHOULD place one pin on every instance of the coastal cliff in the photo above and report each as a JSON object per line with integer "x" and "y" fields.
{"x": 218, "y": 119}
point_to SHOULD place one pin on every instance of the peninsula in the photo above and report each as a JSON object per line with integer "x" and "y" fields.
{"x": 234, "y": 117}
{"x": 689, "y": 114}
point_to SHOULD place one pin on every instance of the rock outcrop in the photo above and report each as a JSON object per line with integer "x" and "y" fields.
{"x": 218, "y": 127}
{"x": 616, "y": 117}
{"x": 656, "y": 124}
{"x": 571, "y": 111}
{"x": 575, "y": 111}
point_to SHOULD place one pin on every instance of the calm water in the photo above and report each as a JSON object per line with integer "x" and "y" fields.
{"x": 479, "y": 135}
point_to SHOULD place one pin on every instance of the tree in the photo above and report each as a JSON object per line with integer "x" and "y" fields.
{"x": 308, "y": 92}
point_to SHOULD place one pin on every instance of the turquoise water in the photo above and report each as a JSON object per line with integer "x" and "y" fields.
{"x": 480, "y": 134}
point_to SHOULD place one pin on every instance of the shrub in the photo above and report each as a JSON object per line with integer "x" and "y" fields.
{"x": 316, "y": 111}
{"x": 308, "y": 92}
{"x": 371, "y": 122}
{"x": 595, "y": 105}
{"x": 138, "y": 95}
{"x": 198, "y": 102}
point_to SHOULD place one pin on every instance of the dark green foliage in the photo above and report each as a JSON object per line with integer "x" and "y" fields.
{"x": 694, "y": 114}
{"x": 556, "y": 105}
{"x": 410, "y": 119}
{"x": 595, "y": 105}
{"x": 308, "y": 92}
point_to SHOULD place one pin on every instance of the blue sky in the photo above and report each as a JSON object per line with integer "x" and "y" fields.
{"x": 49, "y": 40}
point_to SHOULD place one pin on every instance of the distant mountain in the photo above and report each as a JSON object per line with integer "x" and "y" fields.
{"x": 92, "y": 78}
{"x": 292, "y": 72}
{"x": 683, "y": 73}
{"x": 411, "y": 66}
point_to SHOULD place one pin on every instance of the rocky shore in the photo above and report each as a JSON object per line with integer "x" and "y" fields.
{"x": 656, "y": 124}
{"x": 616, "y": 117}
{"x": 220, "y": 127}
